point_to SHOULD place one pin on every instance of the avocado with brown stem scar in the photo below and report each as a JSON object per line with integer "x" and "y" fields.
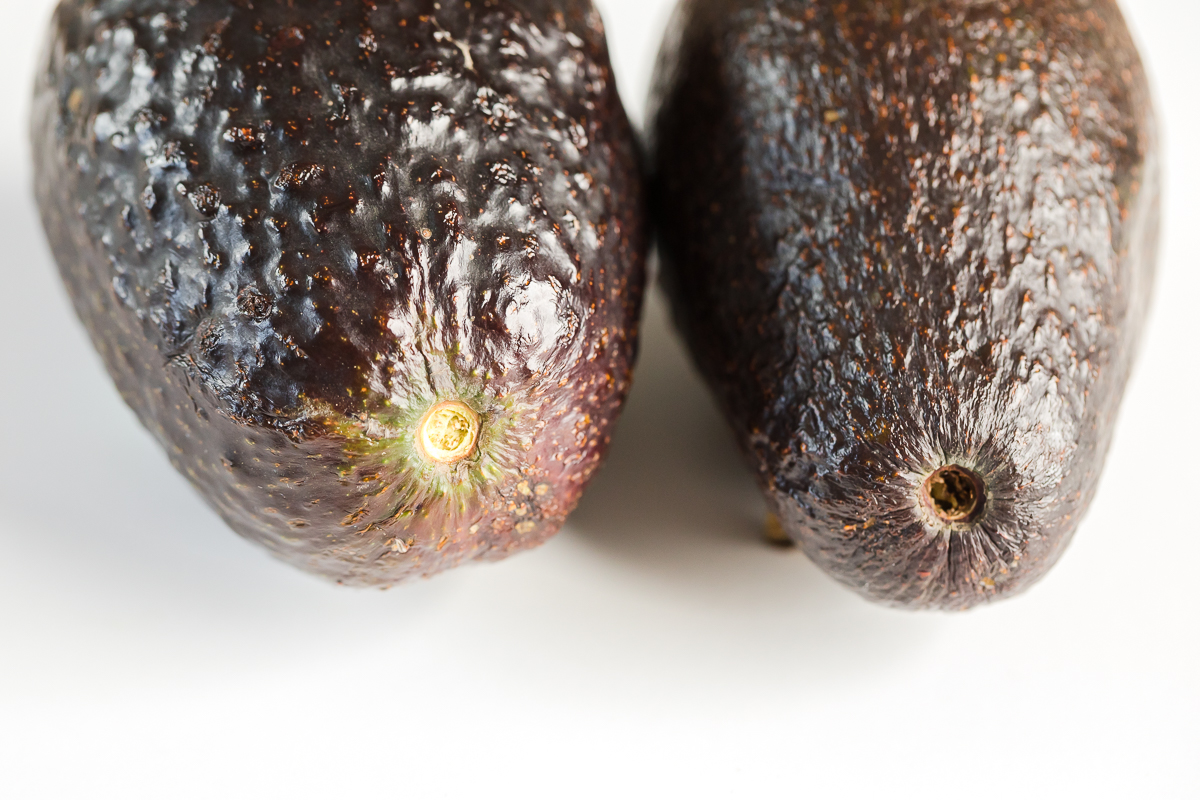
{"x": 911, "y": 247}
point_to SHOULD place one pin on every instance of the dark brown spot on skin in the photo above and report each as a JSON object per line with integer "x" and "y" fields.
{"x": 291, "y": 36}
{"x": 254, "y": 304}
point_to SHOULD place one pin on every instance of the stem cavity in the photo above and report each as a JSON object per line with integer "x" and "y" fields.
{"x": 954, "y": 494}
{"x": 448, "y": 432}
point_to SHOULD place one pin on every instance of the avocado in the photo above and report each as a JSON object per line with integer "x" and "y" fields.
{"x": 911, "y": 247}
{"x": 369, "y": 272}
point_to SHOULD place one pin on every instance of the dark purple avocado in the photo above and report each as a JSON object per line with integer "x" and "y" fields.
{"x": 369, "y": 271}
{"x": 911, "y": 246}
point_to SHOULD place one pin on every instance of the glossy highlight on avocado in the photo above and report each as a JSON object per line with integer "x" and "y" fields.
{"x": 369, "y": 271}
{"x": 911, "y": 247}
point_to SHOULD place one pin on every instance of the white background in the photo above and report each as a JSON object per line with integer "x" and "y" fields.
{"x": 656, "y": 648}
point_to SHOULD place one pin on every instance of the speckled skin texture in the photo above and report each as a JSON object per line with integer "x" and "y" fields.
{"x": 902, "y": 235}
{"x": 291, "y": 230}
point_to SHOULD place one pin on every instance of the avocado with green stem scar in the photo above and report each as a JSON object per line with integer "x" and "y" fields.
{"x": 911, "y": 247}
{"x": 370, "y": 272}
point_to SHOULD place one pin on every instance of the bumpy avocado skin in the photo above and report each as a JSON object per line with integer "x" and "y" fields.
{"x": 903, "y": 235}
{"x": 292, "y": 228}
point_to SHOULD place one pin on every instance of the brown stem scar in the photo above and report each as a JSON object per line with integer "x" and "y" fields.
{"x": 954, "y": 494}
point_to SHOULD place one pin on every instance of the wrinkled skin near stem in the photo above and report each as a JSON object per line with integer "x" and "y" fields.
{"x": 370, "y": 272}
{"x": 911, "y": 247}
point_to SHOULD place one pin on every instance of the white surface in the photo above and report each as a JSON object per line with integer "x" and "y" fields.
{"x": 654, "y": 649}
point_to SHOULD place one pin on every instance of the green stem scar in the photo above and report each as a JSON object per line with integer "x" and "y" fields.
{"x": 448, "y": 432}
{"x": 954, "y": 494}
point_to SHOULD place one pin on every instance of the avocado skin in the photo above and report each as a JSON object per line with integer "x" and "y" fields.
{"x": 902, "y": 235}
{"x": 289, "y": 231}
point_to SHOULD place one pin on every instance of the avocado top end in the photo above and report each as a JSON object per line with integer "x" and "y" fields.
{"x": 911, "y": 248}
{"x": 370, "y": 272}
